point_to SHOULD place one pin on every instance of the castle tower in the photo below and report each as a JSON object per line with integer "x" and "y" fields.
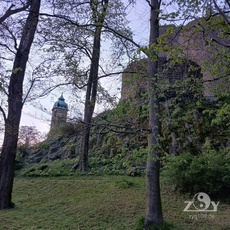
{"x": 59, "y": 113}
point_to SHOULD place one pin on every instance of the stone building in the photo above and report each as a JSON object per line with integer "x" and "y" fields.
{"x": 59, "y": 113}
{"x": 172, "y": 78}
{"x": 194, "y": 46}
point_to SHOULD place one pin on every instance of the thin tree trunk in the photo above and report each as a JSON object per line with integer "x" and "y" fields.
{"x": 15, "y": 104}
{"x": 91, "y": 92}
{"x": 90, "y": 101}
{"x": 154, "y": 214}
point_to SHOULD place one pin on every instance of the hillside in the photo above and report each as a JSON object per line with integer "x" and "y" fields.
{"x": 118, "y": 142}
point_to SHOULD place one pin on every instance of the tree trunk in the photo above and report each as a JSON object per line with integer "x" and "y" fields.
{"x": 90, "y": 100}
{"x": 15, "y": 104}
{"x": 154, "y": 214}
{"x": 91, "y": 92}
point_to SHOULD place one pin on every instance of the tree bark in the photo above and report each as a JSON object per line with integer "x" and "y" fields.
{"x": 154, "y": 214}
{"x": 90, "y": 100}
{"x": 92, "y": 84}
{"x": 15, "y": 104}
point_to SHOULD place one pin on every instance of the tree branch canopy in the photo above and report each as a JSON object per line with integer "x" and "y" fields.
{"x": 11, "y": 11}
{"x": 109, "y": 29}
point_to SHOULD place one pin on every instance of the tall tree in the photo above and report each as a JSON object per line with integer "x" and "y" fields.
{"x": 99, "y": 9}
{"x": 86, "y": 25}
{"x": 154, "y": 214}
{"x": 186, "y": 12}
{"x": 15, "y": 104}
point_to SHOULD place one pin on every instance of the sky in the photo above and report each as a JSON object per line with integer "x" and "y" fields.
{"x": 32, "y": 115}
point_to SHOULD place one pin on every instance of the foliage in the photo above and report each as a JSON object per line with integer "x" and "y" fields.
{"x": 187, "y": 125}
{"x": 117, "y": 168}
{"x": 208, "y": 172}
{"x": 128, "y": 162}
{"x": 118, "y": 146}
{"x": 67, "y": 130}
{"x": 22, "y": 152}
{"x": 55, "y": 169}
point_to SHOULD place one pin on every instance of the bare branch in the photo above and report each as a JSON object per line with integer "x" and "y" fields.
{"x": 217, "y": 78}
{"x": 122, "y": 36}
{"x": 213, "y": 37}
{"x": 221, "y": 12}
{"x": 10, "y": 12}
{"x": 7, "y": 59}
{"x": 3, "y": 113}
{"x": 12, "y": 36}
{"x": 89, "y": 25}
{"x": 106, "y": 75}
{"x": 29, "y": 90}
{"x": 148, "y": 1}
{"x": 4, "y": 45}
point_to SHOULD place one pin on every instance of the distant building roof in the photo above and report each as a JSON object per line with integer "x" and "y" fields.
{"x": 60, "y": 104}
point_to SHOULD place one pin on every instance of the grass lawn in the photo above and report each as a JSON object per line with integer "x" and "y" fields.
{"x": 98, "y": 202}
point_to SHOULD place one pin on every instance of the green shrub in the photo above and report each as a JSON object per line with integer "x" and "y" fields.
{"x": 208, "y": 172}
{"x": 36, "y": 170}
{"x": 127, "y": 162}
{"x": 54, "y": 169}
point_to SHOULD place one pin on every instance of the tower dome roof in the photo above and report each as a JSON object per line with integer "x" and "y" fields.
{"x": 60, "y": 104}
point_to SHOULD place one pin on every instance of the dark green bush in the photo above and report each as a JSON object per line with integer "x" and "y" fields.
{"x": 208, "y": 172}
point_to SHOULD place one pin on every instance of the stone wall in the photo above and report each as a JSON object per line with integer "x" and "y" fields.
{"x": 195, "y": 48}
{"x": 172, "y": 77}
{"x": 59, "y": 117}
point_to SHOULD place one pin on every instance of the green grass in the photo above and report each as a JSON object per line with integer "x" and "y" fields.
{"x": 96, "y": 203}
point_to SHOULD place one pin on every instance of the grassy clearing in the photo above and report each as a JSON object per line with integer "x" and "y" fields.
{"x": 97, "y": 203}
